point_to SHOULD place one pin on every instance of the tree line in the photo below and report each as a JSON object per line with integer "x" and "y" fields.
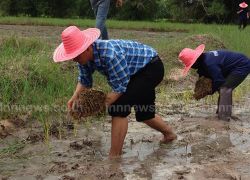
{"x": 220, "y": 11}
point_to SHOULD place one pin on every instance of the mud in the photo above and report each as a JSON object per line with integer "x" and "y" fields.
{"x": 206, "y": 148}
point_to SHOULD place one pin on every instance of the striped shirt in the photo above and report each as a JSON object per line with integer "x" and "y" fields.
{"x": 118, "y": 60}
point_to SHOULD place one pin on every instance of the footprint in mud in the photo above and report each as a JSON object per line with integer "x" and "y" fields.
{"x": 101, "y": 171}
{"x": 78, "y": 145}
{"x": 59, "y": 167}
{"x": 34, "y": 137}
{"x": 66, "y": 177}
{"x": 63, "y": 167}
{"x": 214, "y": 172}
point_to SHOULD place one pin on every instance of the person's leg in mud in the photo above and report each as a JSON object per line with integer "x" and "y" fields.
{"x": 225, "y": 97}
{"x": 140, "y": 93}
{"x": 225, "y": 103}
{"x": 145, "y": 112}
{"x": 118, "y": 134}
{"x": 145, "y": 103}
{"x": 119, "y": 111}
{"x": 218, "y": 103}
{"x": 158, "y": 124}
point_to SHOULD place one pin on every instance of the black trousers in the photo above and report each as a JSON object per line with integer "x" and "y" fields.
{"x": 242, "y": 23}
{"x": 140, "y": 93}
{"x": 233, "y": 80}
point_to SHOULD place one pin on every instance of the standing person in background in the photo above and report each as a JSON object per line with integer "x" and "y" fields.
{"x": 101, "y": 8}
{"x": 243, "y": 15}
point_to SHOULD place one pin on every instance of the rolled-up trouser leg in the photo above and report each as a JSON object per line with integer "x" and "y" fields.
{"x": 225, "y": 104}
{"x": 218, "y": 103}
{"x": 225, "y": 97}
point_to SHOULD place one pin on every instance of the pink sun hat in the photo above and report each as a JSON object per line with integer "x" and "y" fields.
{"x": 74, "y": 42}
{"x": 243, "y": 5}
{"x": 189, "y": 56}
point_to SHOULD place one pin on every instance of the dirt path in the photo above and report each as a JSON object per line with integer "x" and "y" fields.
{"x": 206, "y": 147}
{"x": 53, "y": 33}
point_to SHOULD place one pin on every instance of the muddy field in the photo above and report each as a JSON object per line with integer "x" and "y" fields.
{"x": 206, "y": 148}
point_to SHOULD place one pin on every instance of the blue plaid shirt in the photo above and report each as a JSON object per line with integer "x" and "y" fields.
{"x": 118, "y": 60}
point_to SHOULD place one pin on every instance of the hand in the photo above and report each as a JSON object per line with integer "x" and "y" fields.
{"x": 119, "y": 3}
{"x": 70, "y": 102}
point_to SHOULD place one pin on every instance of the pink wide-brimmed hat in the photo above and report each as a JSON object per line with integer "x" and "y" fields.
{"x": 189, "y": 56}
{"x": 74, "y": 42}
{"x": 243, "y": 5}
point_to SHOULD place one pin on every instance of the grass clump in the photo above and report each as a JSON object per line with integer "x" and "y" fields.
{"x": 11, "y": 149}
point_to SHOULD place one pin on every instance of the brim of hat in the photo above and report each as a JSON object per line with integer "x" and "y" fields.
{"x": 243, "y": 5}
{"x": 60, "y": 55}
{"x": 199, "y": 50}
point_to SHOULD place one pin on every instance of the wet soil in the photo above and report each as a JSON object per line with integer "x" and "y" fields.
{"x": 206, "y": 148}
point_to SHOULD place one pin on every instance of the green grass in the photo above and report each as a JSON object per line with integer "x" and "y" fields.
{"x": 28, "y": 75}
{"x": 233, "y": 38}
{"x": 11, "y": 149}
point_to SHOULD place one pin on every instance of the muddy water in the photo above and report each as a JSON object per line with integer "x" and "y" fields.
{"x": 206, "y": 148}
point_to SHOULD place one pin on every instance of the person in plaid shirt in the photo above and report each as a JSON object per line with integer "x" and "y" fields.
{"x": 132, "y": 69}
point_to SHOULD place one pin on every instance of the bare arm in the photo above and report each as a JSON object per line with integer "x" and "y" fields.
{"x": 238, "y": 12}
{"x": 79, "y": 88}
{"x": 112, "y": 97}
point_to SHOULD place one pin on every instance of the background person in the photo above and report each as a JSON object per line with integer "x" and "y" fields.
{"x": 226, "y": 69}
{"x": 243, "y": 15}
{"x": 101, "y": 9}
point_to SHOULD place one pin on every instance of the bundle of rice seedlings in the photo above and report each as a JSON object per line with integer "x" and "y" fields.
{"x": 203, "y": 87}
{"x": 88, "y": 103}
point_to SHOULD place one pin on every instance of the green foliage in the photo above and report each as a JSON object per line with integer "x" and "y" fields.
{"x": 12, "y": 149}
{"x": 138, "y": 10}
{"x": 28, "y": 75}
{"x": 178, "y": 10}
{"x": 217, "y": 11}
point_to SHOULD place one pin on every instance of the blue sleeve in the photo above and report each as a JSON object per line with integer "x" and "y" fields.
{"x": 217, "y": 76}
{"x": 85, "y": 75}
{"x": 118, "y": 71}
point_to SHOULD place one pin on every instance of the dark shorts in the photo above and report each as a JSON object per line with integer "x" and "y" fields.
{"x": 234, "y": 80}
{"x": 140, "y": 93}
{"x": 243, "y": 22}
